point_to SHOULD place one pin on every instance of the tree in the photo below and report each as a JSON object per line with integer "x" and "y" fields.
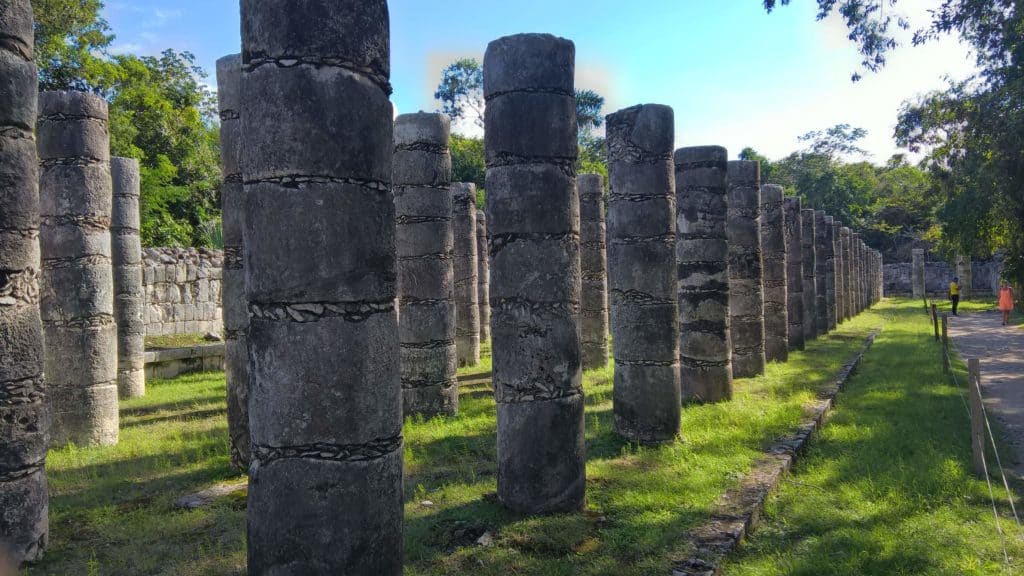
{"x": 839, "y": 140}
{"x": 70, "y": 44}
{"x": 468, "y": 163}
{"x": 461, "y": 91}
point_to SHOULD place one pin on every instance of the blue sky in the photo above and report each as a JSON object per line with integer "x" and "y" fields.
{"x": 734, "y": 75}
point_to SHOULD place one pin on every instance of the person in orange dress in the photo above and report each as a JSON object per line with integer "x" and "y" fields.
{"x": 1005, "y": 301}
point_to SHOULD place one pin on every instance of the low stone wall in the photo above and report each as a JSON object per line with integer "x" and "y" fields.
{"x": 174, "y": 362}
{"x": 938, "y": 275}
{"x": 183, "y": 290}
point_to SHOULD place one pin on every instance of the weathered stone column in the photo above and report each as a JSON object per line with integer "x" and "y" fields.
{"x": 845, "y": 267}
{"x": 233, "y": 300}
{"x": 879, "y": 277}
{"x": 857, "y": 273}
{"x": 423, "y": 211}
{"x": 746, "y": 300}
{"x": 702, "y": 255}
{"x": 822, "y": 256}
{"x": 325, "y": 396}
{"x": 807, "y": 244}
{"x": 917, "y": 273}
{"x": 840, "y": 257}
{"x": 966, "y": 273}
{"x": 794, "y": 273}
{"x": 467, "y": 300}
{"x": 24, "y": 409}
{"x": 483, "y": 277}
{"x": 129, "y": 295}
{"x": 773, "y": 250}
{"x": 832, "y": 267}
{"x": 594, "y": 271}
{"x": 77, "y": 284}
{"x": 533, "y": 214}
{"x": 642, "y": 275}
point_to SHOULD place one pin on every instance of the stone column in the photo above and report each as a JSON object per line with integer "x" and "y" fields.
{"x": 129, "y": 295}
{"x": 702, "y": 255}
{"x": 594, "y": 271}
{"x": 823, "y": 254}
{"x": 24, "y": 409}
{"x": 467, "y": 300}
{"x": 917, "y": 274}
{"x": 794, "y": 273}
{"x": 807, "y": 249}
{"x": 533, "y": 214}
{"x": 858, "y": 274}
{"x": 746, "y": 303}
{"x": 233, "y": 300}
{"x": 840, "y": 257}
{"x": 966, "y": 274}
{"x": 426, "y": 277}
{"x": 832, "y": 268}
{"x": 880, "y": 277}
{"x": 773, "y": 249}
{"x": 848, "y": 280}
{"x": 325, "y": 402}
{"x": 642, "y": 275}
{"x": 77, "y": 284}
{"x": 483, "y": 277}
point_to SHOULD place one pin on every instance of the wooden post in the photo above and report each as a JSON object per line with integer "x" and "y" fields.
{"x": 977, "y": 416}
{"x": 945, "y": 344}
{"x": 935, "y": 320}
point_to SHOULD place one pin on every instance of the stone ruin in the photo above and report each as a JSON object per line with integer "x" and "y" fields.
{"x": 701, "y": 274}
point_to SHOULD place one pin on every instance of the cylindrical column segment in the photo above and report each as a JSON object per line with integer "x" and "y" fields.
{"x": 746, "y": 298}
{"x": 129, "y": 295}
{"x": 594, "y": 271}
{"x": 773, "y": 250}
{"x": 642, "y": 275}
{"x": 483, "y": 276}
{"x": 467, "y": 300}
{"x": 77, "y": 284}
{"x": 807, "y": 243}
{"x": 794, "y": 273}
{"x": 702, "y": 255}
{"x": 426, "y": 319}
{"x": 325, "y": 404}
{"x": 24, "y": 407}
{"x": 533, "y": 214}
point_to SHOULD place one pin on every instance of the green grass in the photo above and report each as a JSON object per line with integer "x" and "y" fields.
{"x": 111, "y": 510}
{"x": 174, "y": 341}
{"x": 886, "y": 488}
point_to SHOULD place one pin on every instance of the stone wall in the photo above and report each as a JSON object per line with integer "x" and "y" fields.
{"x": 183, "y": 290}
{"x": 984, "y": 281}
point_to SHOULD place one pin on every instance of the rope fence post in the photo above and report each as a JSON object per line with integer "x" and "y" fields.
{"x": 945, "y": 344}
{"x": 977, "y": 416}
{"x": 935, "y": 320}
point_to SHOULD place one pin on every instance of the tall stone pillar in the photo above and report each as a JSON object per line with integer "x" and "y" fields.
{"x": 964, "y": 271}
{"x": 533, "y": 212}
{"x": 841, "y": 262}
{"x": 773, "y": 249}
{"x": 233, "y": 300}
{"x": 880, "y": 275}
{"x": 858, "y": 274}
{"x": 483, "y": 277}
{"x": 917, "y": 274}
{"x": 746, "y": 303}
{"x": 24, "y": 409}
{"x": 467, "y": 299}
{"x": 823, "y": 254}
{"x": 845, "y": 283}
{"x": 77, "y": 284}
{"x": 642, "y": 273}
{"x": 129, "y": 295}
{"x": 832, "y": 268}
{"x": 594, "y": 270}
{"x": 426, "y": 277}
{"x": 810, "y": 262}
{"x": 325, "y": 397}
{"x": 794, "y": 273}
{"x": 702, "y": 255}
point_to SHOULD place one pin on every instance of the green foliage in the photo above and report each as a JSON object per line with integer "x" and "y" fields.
{"x": 160, "y": 113}
{"x": 70, "y": 43}
{"x": 461, "y": 91}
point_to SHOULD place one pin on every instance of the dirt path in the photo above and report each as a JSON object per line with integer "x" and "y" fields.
{"x": 1001, "y": 351}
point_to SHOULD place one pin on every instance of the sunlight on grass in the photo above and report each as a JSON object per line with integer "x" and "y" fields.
{"x": 886, "y": 488}
{"x": 112, "y": 513}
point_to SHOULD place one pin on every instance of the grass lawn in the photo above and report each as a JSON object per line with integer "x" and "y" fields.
{"x": 111, "y": 508}
{"x": 174, "y": 341}
{"x": 886, "y": 488}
